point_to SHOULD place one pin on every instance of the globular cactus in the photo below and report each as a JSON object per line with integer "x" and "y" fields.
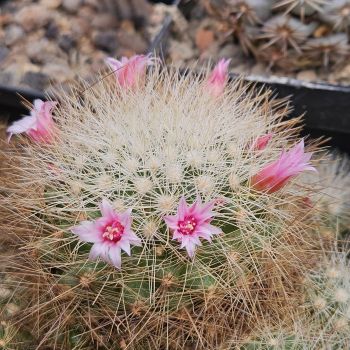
{"x": 327, "y": 302}
{"x": 157, "y": 211}
{"x": 332, "y": 198}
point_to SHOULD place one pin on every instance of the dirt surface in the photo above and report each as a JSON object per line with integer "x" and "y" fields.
{"x": 56, "y": 41}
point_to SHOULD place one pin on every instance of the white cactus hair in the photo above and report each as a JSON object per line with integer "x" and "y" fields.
{"x": 327, "y": 304}
{"x": 144, "y": 149}
{"x": 332, "y": 199}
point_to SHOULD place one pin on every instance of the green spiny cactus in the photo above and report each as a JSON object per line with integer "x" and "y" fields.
{"x": 152, "y": 145}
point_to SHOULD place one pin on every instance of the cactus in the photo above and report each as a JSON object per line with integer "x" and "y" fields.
{"x": 327, "y": 304}
{"x": 289, "y": 35}
{"x": 331, "y": 199}
{"x": 157, "y": 211}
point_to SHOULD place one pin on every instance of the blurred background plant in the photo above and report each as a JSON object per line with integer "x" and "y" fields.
{"x": 308, "y": 39}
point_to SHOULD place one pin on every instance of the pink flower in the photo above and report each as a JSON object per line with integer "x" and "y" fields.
{"x": 261, "y": 142}
{"x": 218, "y": 78}
{"x": 39, "y": 125}
{"x": 110, "y": 234}
{"x": 276, "y": 174}
{"x": 130, "y": 71}
{"x": 192, "y": 223}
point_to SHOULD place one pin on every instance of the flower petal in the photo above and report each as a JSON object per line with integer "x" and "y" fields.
{"x": 182, "y": 210}
{"x": 125, "y": 245}
{"x": 99, "y": 250}
{"x": 106, "y": 209}
{"x": 87, "y": 232}
{"x": 115, "y": 256}
{"x": 22, "y": 125}
{"x": 126, "y": 219}
{"x": 171, "y": 221}
{"x": 132, "y": 238}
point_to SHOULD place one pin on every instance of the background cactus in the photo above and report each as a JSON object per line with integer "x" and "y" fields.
{"x": 327, "y": 302}
{"x": 144, "y": 148}
{"x": 284, "y": 35}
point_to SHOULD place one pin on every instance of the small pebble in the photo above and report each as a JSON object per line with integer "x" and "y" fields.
{"x": 106, "y": 41}
{"x": 13, "y": 33}
{"x": 307, "y": 75}
{"x": 51, "y": 4}
{"x": 32, "y": 17}
{"x": 6, "y": 78}
{"x": 51, "y": 30}
{"x": 66, "y": 42}
{"x": 180, "y": 51}
{"x": 204, "y": 39}
{"x": 42, "y": 51}
{"x": 93, "y": 3}
{"x": 104, "y": 22}
{"x": 259, "y": 69}
{"x": 232, "y": 51}
{"x": 36, "y": 80}
{"x": 132, "y": 41}
{"x": 59, "y": 72}
{"x": 72, "y": 6}
{"x": 4, "y": 51}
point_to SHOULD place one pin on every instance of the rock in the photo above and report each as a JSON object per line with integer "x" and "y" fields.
{"x": 6, "y": 78}
{"x": 106, "y": 40}
{"x": 13, "y": 33}
{"x": 204, "y": 39}
{"x": 5, "y": 19}
{"x": 259, "y": 69}
{"x": 42, "y": 51}
{"x": 32, "y": 17}
{"x": 59, "y": 72}
{"x": 307, "y": 75}
{"x": 51, "y": 4}
{"x": 104, "y": 21}
{"x": 4, "y": 51}
{"x": 211, "y": 53}
{"x": 132, "y": 41}
{"x": 81, "y": 28}
{"x": 180, "y": 51}
{"x": 51, "y": 30}
{"x": 142, "y": 10}
{"x": 93, "y": 3}
{"x": 87, "y": 13}
{"x": 13, "y": 73}
{"x": 66, "y": 42}
{"x": 122, "y": 8}
{"x": 231, "y": 51}
{"x": 72, "y": 6}
{"x": 36, "y": 80}
{"x": 241, "y": 69}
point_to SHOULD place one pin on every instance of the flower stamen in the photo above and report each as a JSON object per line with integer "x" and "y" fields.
{"x": 187, "y": 226}
{"x": 113, "y": 232}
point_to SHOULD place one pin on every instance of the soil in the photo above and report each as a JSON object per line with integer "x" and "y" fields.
{"x": 48, "y": 42}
